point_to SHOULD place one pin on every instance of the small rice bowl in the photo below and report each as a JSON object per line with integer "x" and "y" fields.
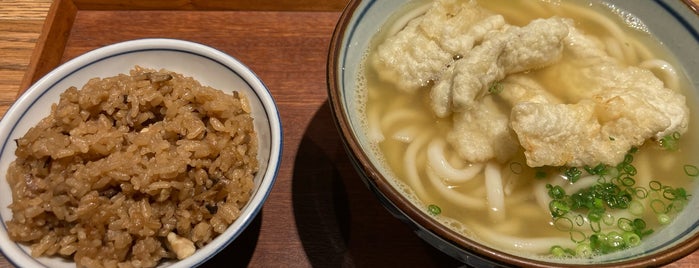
{"x": 210, "y": 68}
{"x": 133, "y": 168}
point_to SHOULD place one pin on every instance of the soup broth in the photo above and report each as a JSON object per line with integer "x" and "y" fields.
{"x": 402, "y": 125}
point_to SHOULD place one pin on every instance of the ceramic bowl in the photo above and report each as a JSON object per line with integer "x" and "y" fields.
{"x": 672, "y": 22}
{"x": 207, "y": 65}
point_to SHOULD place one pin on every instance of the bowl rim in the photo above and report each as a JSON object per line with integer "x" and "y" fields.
{"x": 418, "y": 217}
{"x": 257, "y": 86}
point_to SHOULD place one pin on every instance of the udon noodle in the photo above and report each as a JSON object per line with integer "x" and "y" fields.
{"x": 503, "y": 201}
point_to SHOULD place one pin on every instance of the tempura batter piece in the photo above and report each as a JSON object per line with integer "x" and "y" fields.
{"x": 428, "y": 44}
{"x": 514, "y": 50}
{"x": 473, "y": 57}
{"x": 518, "y": 88}
{"x": 620, "y": 107}
{"x": 483, "y": 134}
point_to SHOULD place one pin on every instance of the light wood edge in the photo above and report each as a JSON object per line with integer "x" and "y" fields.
{"x": 249, "y": 5}
{"x": 49, "y": 47}
{"x": 693, "y": 5}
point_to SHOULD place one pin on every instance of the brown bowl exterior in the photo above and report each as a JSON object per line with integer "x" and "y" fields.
{"x": 464, "y": 249}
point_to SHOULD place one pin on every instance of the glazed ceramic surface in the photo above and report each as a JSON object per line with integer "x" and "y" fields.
{"x": 206, "y": 64}
{"x": 671, "y": 22}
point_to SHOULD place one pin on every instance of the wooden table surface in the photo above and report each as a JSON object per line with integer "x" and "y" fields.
{"x": 319, "y": 213}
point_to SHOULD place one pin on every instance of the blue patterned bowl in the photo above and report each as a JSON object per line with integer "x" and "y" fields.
{"x": 672, "y": 22}
{"x": 207, "y": 65}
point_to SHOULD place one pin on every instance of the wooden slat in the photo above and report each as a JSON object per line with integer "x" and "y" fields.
{"x": 20, "y": 26}
{"x": 693, "y": 5}
{"x": 51, "y": 44}
{"x": 250, "y": 5}
{"x": 26, "y": 10}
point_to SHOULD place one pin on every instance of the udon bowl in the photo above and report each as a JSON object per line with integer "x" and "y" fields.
{"x": 671, "y": 22}
{"x": 207, "y": 65}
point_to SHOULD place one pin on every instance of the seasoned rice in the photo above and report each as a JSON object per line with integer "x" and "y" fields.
{"x": 132, "y": 170}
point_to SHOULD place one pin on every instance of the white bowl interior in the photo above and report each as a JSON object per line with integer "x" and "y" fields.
{"x": 671, "y": 22}
{"x": 207, "y": 65}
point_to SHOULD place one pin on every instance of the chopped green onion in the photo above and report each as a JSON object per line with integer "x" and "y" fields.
{"x": 629, "y": 169}
{"x": 675, "y": 193}
{"x": 593, "y": 226}
{"x": 434, "y": 210}
{"x": 594, "y": 216}
{"x": 640, "y": 192}
{"x": 628, "y": 181}
{"x": 645, "y": 233}
{"x": 573, "y": 174}
{"x": 558, "y": 208}
{"x": 598, "y": 241}
{"x": 669, "y": 194}
{"x": 615, "y": 240}
{"x": 555, "y": 192}
{"x": 639, "y": 224}
{"x": 658, "y": 206}
{"x": 516, "y": 167}
{"x": 563, "y": 224}
{"x": 598, "y": 203}
{"x": 678, "y": 205}
{"x": 631, "y": 239}
{"x": 671, "y": 142}
{"x": 625, "y": 224}
{"x": 577, "y": 236}
{"x": 584, "y": 250}
{"x": 579, "y": 220}
{"x": 558, "y": 251}
{"x": 597, "y": 170}
{"x": 681, "y": 193}
{"x": 495, "y": 88}
{"x": 691, "y": 170}
{"x": 636, "y": 207}
{"x": 608, "y": 219}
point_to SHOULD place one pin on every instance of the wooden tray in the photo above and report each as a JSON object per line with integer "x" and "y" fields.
{"x": 319, "y": 212}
